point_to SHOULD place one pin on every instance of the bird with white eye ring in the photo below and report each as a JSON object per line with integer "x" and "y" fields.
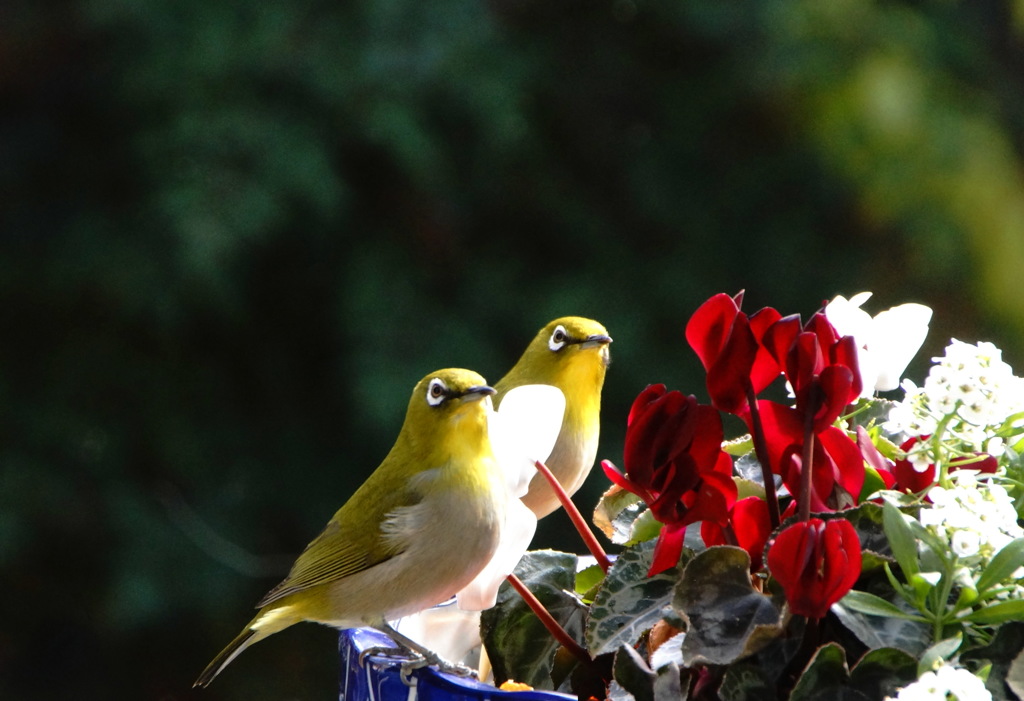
{"x": 572, "y": 354}
{"x": 389, "y": 551}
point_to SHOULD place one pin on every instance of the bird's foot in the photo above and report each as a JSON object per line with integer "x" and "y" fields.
{"x": 385, "y": 651}
{"x": 415, "y": 660}
{"x": 423, "y": 657}
{"x": 456, "y": 668}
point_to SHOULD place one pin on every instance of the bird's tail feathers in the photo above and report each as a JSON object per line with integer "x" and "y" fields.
{"x": 265, "y": 624}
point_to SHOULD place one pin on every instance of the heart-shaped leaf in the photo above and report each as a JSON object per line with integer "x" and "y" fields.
{"x": 629, "y": 602}
{"x": 727, "y": 619}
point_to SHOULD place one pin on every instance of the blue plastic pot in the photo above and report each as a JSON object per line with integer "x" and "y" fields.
{"x": 381, "y": 679}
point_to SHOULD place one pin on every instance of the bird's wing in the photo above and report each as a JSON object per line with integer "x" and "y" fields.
{"x": 348, "y": 544}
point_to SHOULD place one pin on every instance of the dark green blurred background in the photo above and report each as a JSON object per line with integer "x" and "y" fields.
{"x": 236, "y": 234}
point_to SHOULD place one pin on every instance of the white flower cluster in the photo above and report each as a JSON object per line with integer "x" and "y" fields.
{"x": 973, "y": 388}
{"x": 945, "y": 683}
{"x": 977, "y": 523}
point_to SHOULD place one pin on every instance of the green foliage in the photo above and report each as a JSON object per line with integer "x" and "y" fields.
{"x": 628, "y": 602}
{"x": 1003, "y": 657}
{"x": 727, "y": 619}
{"x": 636, "y": 677}
{"x": 519, "y": 645}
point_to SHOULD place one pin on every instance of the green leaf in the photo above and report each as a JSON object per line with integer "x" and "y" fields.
{"x": 870, "y": 412}
{"x": 872, "y": 483}
{"x": 739, "y": 446}
{"x": 645, "y": 527}
{"x": 880, "y": 673}
{"x": 863, "y": 602}
{"x": 629, "y": 602}
{"x": 746, "y": 682}
{"x": 633, "y": 674}
{"x": 1015, "y": 676}
{"x": 939, "y": 652}
{"x": 901, "y": 538}
{"x": 938, "y": 548}
{"x": 519, "y": 646}
{"x": 869, "y": 561}
{"x": 868, "y": 520}
{"x": 748, "y": 488}
{"x": 727, "y": 619}
{"x": 887, "y": 448}
{"x": 616, "y": 512}
{"x": 885, "y": 631}
{"x": 1003, "y": 564}
{"x": 826, "y": 677}
{"x": 998, "y": 613}
{"x": 1006, "y": 647}
{"x": 587, "y": 581}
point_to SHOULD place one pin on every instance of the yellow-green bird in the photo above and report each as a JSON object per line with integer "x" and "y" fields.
{"x": 417, "y": 531}
{"x": 572, "y": 354}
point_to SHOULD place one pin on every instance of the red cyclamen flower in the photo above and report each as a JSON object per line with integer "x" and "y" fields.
{"x": 728, "y": 345}
{"x": 816, "y": 562}
{"x": 750, "y": 525}
{"x": 838, "y": 474}
{"x": 675, "y": 463}
{"x": 820, "y": 366}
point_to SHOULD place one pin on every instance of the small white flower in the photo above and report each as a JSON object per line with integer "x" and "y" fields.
{"x": 963, "y": 685}
{"x": 924, "y": 689}
{"x": 965, "y": 543}
{"x": 920, "y": 461}
{"x": 995, "y": 447}
{"x": 947, "y": 682}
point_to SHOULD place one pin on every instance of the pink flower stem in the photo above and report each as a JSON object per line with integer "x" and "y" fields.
{"x": 761, "y": 450}
{"x": 577, "y": 519}
{"x": 807, "y": 456}
{"x": 556, "y": 630}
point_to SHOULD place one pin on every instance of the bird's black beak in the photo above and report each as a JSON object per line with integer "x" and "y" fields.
{"x": 598, "y": 339}
{"x": 476, "y": 392}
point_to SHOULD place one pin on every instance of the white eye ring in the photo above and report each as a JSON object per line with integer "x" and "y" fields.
{"x": 437, "y": 392}
{"x": 558, "y": 339}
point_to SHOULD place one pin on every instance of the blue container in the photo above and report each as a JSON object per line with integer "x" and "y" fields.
{"x": 381, "y": 679}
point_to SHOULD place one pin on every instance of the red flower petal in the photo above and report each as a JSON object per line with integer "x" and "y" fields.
{"x": 909, "y": 479}
{"x": 871, "y": 454}
{"x": 766, "y": 368}
{"x": 847, "y": 465}
{"x": 643, "y": 400}
{"x": 668, "y": 549}
{"x": 816, "y": 562}
{"x": 710, "y": 327}
{"x": 729, "y": 375}
{"x": 835, "y": 383}
{"x": 780, "y": 336}
{"x": 844, "y": 352}
{"x": 821, "y": 327}
{"x": 752, "y": 525}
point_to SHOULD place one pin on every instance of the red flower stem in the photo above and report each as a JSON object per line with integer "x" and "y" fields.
{"x": 807, "y": 456}
{"x": 556, "y": 630}
{"x": 761, "y": 450}
{"x": 577, "y": 519}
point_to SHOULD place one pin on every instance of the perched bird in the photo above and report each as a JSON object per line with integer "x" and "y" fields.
{"x": 571, "y": 354}
{"x": 417, "y": 531}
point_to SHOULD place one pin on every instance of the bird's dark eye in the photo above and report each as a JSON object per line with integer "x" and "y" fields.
{"x": 558, "y": 339}
{"x": 436, "y": 392}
